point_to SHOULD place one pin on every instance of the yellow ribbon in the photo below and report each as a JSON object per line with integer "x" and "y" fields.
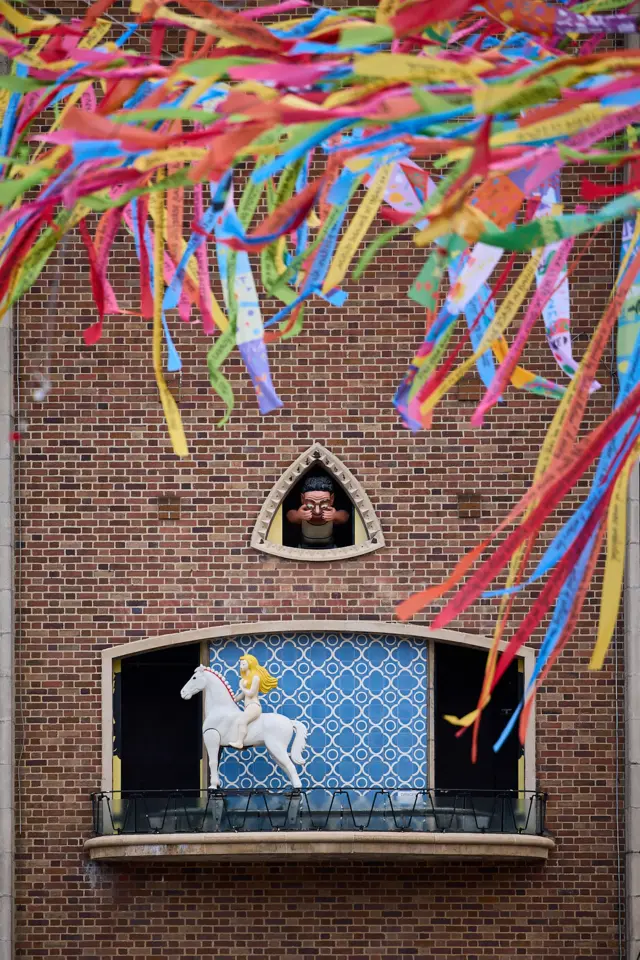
{"x": 614, "y": 565}
{"x": 169, "y": 405}
{"x": 22, "y": 23}
{"x": 386, "y": 10}
{"x": 356, "y": 230}
{"x": 156, "y": 209}
{"x": 398, "y": 67}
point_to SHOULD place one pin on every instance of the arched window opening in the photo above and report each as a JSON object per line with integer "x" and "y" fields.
{"x": 292, "y": 523}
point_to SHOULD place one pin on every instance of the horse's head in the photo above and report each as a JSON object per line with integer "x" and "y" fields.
{"x": 196, "y": 684}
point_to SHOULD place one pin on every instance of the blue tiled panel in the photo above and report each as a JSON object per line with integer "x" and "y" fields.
{"x": 363, "y": 698}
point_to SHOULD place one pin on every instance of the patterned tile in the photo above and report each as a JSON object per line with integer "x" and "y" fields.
{"x": 362, "y": 697}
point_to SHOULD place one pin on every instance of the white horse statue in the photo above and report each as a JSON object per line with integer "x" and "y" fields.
{"x": 220, "y": 727}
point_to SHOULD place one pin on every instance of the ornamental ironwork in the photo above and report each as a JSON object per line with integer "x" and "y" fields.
{"x": 259, "y": 810}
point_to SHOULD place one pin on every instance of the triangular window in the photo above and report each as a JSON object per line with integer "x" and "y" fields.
{"x": 317, "y": 511}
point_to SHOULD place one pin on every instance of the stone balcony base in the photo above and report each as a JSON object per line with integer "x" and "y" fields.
{"x": 346, "y": 845}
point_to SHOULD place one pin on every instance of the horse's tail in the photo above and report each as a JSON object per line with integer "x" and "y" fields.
{"x": 299, "y": 742}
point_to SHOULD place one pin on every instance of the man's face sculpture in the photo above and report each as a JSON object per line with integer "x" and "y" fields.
{"x": 317, "y": 501}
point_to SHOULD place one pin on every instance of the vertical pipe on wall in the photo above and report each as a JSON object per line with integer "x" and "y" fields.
{"x": 7, "y": 812}
{"x": 632, "y": 717}
{"x": 632, "y": 693}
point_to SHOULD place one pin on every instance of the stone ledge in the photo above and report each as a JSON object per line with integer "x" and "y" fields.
{"x": 345, "y": 844}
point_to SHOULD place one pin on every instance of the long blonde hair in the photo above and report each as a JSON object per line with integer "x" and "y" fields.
{"x": 267, "y": 682}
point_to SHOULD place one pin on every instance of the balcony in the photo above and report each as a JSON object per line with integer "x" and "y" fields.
{"x": 319, "y": 823}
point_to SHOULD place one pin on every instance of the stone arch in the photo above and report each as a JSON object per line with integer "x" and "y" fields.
{"x": 368, "y": 536}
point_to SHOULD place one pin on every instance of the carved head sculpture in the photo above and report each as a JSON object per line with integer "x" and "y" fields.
{"x": 317, "y": 495}
{"x": 249, "y": 668}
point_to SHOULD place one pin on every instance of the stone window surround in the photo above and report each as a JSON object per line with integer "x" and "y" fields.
{"x": 261, "y": 628}
{"x": 317, "y": 454}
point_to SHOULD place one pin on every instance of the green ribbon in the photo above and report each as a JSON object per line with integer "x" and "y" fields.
{"x": 548, "y": 230}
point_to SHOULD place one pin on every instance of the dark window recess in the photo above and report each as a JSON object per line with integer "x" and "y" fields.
{"x": 459, "y": 672}
{"x": 160, "y": 735}
{"x": 343, "y": 534}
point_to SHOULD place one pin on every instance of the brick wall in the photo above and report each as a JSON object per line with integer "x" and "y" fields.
{"x": 98, "y": 565}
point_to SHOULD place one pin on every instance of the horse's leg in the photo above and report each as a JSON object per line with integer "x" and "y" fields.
{"x": 212, "y": 743}
{"x": 279, "y": 753}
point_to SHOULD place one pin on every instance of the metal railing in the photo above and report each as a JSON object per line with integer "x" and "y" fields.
{"x": 318, "y": 809}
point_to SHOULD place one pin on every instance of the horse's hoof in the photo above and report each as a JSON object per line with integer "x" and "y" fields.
{"x": 237, "y": 746}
